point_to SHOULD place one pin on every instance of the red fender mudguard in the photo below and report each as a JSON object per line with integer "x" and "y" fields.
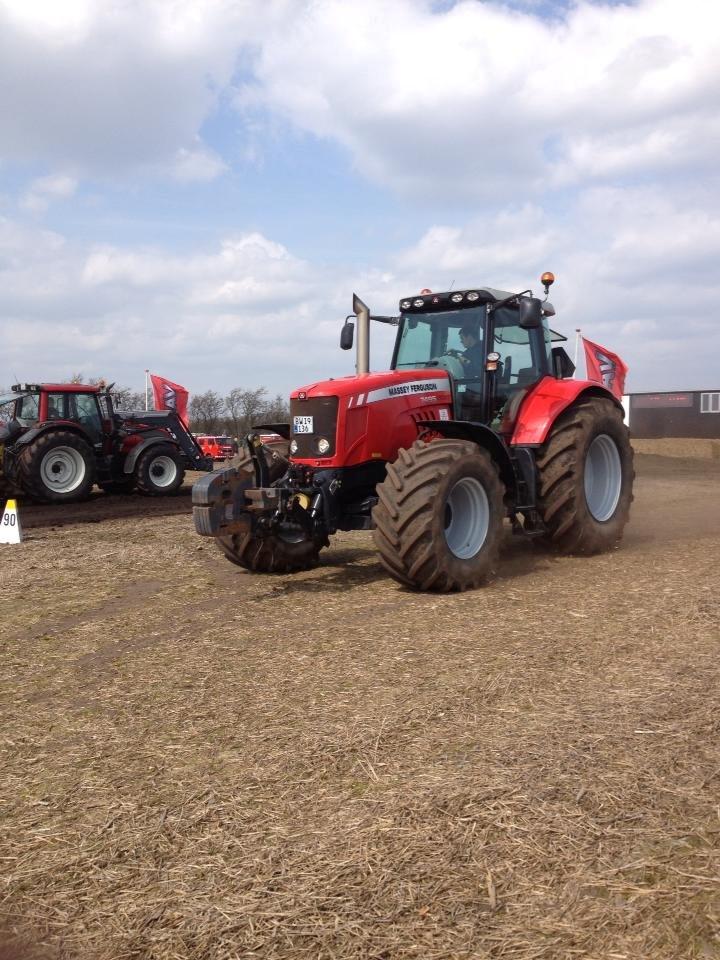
{"x": 544, "y": 404}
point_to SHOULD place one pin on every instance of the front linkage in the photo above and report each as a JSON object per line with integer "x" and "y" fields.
{"x": 267, "y": 496}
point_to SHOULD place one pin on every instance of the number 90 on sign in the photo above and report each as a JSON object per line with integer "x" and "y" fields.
{"x": 9, "y": 520}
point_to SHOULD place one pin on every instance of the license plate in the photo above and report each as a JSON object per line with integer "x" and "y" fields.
{"x": 302, "y": 424}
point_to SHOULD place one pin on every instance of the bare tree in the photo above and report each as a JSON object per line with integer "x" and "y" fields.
{"x": 246, "y": 407}
{"x": 277, "y": 410}
{"x": 125, "y": 398}
{"x": 206, "y": 412}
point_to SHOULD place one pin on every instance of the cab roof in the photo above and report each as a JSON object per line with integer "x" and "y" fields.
{"x": 55, "y": 388}
{"x": 459, "y": 299}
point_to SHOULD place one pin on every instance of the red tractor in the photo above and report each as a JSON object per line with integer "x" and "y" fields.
{"x": 475, "y": 422}
{"x": 58, "y": 439}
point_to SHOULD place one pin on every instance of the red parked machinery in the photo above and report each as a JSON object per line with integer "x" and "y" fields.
{"x": 219, "y": 448}
{"x": 476, "y": 421}
{"x": 58, "y": 439}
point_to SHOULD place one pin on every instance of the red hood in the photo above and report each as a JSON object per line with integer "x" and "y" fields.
{"x": 350, "y": 385}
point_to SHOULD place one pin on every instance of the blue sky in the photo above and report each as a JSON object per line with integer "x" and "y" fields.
{"x": 199, "y": 187}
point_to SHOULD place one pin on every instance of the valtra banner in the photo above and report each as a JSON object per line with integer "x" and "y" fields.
{"x": 605, "y": 367}
{"x": 170, "y": 396}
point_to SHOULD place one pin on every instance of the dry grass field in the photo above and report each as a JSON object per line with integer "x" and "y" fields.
{"x": 201, "y": 763}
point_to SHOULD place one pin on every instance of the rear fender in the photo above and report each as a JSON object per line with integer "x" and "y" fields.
{"x": 544, "y": 404}
{"x": 484, "y": 437}
{"x": 35, "y": 432}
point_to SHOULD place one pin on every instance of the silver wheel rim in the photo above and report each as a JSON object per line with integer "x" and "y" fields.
{"x": 603, "y": 477}
{"x": 62, "y": 470}
{"x": 467, "y": 518}
{"x": 163, "y": 471}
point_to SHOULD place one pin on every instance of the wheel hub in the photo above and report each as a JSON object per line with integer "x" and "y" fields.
{"x": 62, "y": 470}
{"x": 603, "y": 477}
{"x": 163, "y": 471}
{"x": 467, "y": 518}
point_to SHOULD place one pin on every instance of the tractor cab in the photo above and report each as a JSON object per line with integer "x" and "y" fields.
{"x": 493, "y": 344}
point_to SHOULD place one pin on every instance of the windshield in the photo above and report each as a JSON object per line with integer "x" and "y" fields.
{"x": 452, "y": 340}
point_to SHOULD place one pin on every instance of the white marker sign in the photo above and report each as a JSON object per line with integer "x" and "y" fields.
{"x": 10, "y": 524}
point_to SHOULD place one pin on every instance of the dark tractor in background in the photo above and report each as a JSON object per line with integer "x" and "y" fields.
{"x": 59, "y": 439}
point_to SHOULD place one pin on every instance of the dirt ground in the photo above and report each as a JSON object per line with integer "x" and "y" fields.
{"x": 202, "y": 763}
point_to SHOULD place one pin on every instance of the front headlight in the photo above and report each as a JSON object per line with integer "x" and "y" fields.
{"x": 293, "y": 446}
{"x": 323, "y": 445}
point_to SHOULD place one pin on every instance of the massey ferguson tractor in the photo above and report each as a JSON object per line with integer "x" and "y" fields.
{"x": 476, "y": 422}
{"x": 58, "y": 440}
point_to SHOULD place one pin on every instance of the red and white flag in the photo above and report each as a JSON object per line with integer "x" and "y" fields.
{"x": 605, "y": 367}
{"x": 170, "y": 396}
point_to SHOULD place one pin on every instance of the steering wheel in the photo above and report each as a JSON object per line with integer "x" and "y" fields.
{"x": 451, "y": 362}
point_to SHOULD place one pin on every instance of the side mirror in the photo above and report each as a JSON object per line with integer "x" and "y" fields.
{"x": 347, "y": 335}
{"x": 530, "y": 313}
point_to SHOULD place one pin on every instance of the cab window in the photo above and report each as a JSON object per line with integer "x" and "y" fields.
{"x": 57, "y": 407}
{"x": 27, "y": 409}
{"x": 86, "y": 410}
{"x": 523, "y": 358}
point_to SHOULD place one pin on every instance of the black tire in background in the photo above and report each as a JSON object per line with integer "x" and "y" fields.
{"x": 439, "y": 516}
{"x": 118, "y": 486}
{"x": 585, "y": 478}
{"x": 57, "y": 467}
{"x": 159, "y": 471}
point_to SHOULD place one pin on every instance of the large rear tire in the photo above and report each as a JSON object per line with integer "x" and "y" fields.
{"x": 159, "y": 471}
{"x": 57, "y": 467}
{"x": 439, "y": 516}
{"x": 586, "y": 478}
{"x": 287, "y": 552}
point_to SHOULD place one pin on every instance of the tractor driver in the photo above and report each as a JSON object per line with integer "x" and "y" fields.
{"x": 472, "y": 356}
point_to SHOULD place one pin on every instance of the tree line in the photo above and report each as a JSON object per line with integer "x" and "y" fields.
{"x": 236, "y": 413}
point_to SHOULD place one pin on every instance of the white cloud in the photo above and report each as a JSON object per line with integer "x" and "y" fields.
{"x": 245, "y": 313}
{"x": 481, "y": 99}
{"x": 585, "y": 144}
{"x": 116, "y": 86}
{"x": 198, "y": 163}
{"x": 635, "y": 269}
{"x": 44, "y": 190}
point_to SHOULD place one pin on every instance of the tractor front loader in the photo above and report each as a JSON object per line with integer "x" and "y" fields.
{"x": 477, "y": 421}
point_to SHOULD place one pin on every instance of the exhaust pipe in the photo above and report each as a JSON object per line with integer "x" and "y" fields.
{"x": 362, "y": 363}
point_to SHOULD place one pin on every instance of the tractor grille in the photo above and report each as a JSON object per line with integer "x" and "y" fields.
{"x": 323, "y": 410}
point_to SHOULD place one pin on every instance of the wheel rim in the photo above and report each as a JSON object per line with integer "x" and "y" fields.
{"x": 62, "y": 469}
{"x": 603, "y": 477}
{"x": 163, "y": 471}
{"x": 467, "y": 518}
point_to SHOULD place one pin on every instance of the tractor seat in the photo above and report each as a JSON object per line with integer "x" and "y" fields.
{"x": 526, "y": 376}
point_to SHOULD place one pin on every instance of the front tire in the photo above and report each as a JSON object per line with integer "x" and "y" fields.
{"x": 159, "y": 471}
{"x": 586, "y": 478}
{"x": 439, "y": 516}
{"x": 288, "y": 552}
{"x": 57, "y": 467}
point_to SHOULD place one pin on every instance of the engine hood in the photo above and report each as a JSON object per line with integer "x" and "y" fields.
{"x": 369, "y": 383}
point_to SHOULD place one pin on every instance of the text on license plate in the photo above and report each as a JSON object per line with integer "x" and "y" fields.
{"x": 302, "y": 424}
